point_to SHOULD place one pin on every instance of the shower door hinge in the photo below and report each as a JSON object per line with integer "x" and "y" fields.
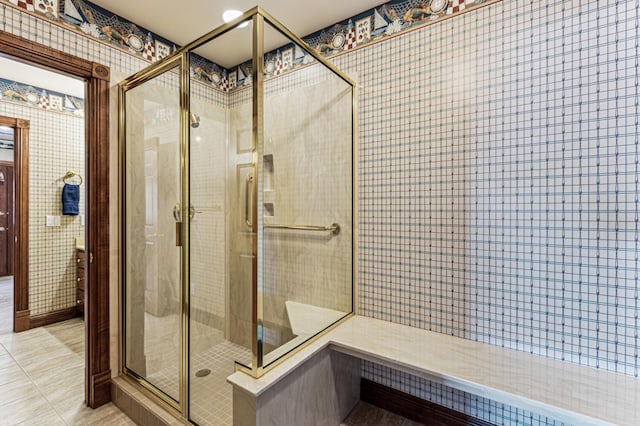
{"x": 90, "y": 257}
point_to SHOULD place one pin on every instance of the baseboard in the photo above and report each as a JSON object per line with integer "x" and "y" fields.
{"x": 100, "y": 389}
{"x": 52, "y": 317}
{"x": 414, "y": 408}
{"x": 21, "y": 321}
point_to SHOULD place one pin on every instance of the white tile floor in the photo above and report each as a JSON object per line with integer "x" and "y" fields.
{"x": 42, "y": 374}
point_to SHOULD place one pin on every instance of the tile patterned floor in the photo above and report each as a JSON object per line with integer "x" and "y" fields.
{"x": 42, "y": 376}
{"x": 6, "y": 304}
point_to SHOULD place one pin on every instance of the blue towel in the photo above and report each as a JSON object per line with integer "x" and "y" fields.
{"x": 70, "y": 199}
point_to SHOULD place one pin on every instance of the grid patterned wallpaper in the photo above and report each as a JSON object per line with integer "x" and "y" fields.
{"x": 497, "y": 177}
{"x": 56, "y": 144}
{"x": 51, "y": 35}
{"x": 52, "y": 280}
{"x": 455, "y": 399}
{"x": 498, "y": 182}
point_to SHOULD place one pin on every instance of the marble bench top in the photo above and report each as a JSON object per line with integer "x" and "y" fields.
{"x": 558, "y": 389}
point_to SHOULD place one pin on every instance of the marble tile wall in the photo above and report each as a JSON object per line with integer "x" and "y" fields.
{"x": 307, "y": 140}
{"x": 306, "y": 180}
{"x": 239, "y": 172}
{"x": 56, "y": 144}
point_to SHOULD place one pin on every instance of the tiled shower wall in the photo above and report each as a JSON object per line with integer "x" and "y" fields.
{"x": 56, "y": 144}
{"x": 498, "y": 158}
{"x": 299, "y": 134}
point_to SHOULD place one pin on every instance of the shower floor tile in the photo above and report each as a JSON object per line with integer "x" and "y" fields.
{"x": 211, "y": 395}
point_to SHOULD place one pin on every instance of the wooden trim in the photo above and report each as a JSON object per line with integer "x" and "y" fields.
{"x": 100, "y": 384}
{"x": 97, "y": 76}
{"x": 97, "y": 248}
{"x": 21, "y": 224}
{"x": 52, "y": 317}
{"x": 414, "y": 408}
{"x": 21, "y": 320}
{"x": 10, "y": 228}
{"x": 35, "y": 53}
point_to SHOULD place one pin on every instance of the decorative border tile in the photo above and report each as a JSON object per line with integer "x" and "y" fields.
{"x": 36, "y": 97}
{"x": 390, "y": 19}
{"x": 375, "y": 25}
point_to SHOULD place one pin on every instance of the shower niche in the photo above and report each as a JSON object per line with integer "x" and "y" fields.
{"x": 238, "y": 210}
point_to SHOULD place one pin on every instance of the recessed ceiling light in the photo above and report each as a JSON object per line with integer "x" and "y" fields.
{"x": 231, "y": 14}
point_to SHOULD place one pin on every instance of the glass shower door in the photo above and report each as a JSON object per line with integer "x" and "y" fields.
{"x": 152, "y": 227}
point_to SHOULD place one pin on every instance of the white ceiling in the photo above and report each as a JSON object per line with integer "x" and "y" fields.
{"x": 39, "y": 77}
{"x": 184, "y": 21}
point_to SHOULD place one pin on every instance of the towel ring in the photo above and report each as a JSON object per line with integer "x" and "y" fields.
{"x": 71, "y": 174}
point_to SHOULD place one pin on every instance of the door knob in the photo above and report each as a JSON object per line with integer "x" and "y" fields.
{"x": 2, "y": 229}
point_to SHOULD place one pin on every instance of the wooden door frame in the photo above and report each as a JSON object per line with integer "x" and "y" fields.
{"x": 21, "y": 319}
{"x": 97, "y": 76}
{"x": 10, "y": 207}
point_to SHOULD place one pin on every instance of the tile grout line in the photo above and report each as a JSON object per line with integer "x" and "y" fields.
{"x": 15, "y": 361}
{"x": 52, "y": 407}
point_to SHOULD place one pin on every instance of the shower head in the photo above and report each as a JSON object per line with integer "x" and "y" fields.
{"x": 194, "y": 119}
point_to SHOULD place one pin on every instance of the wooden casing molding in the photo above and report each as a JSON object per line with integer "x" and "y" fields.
{"x": 21, "y": 315}
{"x": 97, "y": 369}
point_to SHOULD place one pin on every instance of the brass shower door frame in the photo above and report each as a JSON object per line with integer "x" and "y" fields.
{"x": 178, "y": 59}
{"x": 259, "y": 16}
{"x": 181, "y": 58}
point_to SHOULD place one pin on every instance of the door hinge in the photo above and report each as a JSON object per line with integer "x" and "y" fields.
{"x": 90, "y": 257}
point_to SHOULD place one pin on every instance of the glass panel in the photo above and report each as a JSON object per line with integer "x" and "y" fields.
{"x": 220, "y": 248}
{"x": 306, "y": 176}
{"x": 152, "y": 276}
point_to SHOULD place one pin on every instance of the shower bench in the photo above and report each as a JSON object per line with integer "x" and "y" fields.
{"x": 320, "y": 384}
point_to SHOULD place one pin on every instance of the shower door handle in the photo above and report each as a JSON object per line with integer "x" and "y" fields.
{"x": 177, "y": 214}
{"x": 247, "y": 195}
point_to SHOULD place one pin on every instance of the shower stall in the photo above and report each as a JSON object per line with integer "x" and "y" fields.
{"x": 237, "y": 165}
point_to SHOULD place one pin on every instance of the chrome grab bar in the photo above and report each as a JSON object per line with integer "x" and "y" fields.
{"x": 334, "y": 228}
{"x": 247, "y": 193}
